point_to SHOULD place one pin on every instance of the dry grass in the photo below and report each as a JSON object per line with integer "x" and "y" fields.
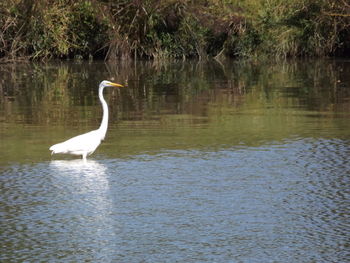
{"x": 38, "y": 29}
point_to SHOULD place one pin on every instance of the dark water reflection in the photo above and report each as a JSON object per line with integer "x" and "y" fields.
{"x": 203, "y": 162}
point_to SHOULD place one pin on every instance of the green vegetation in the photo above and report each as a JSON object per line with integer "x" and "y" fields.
{"x": 124, "y": 29}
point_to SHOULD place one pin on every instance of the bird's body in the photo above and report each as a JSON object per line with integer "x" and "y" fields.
{"x": 85, "y": 144}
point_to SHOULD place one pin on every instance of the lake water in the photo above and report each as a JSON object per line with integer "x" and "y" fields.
{"x": 232, "y": 161}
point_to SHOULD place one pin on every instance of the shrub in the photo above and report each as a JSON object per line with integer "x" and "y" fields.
{"x": 40, "y": 29}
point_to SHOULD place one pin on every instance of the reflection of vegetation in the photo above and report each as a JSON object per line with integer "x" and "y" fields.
{"x": 67, "y": 93}
{"x": 172, "y": 105}
{"x": 172, "y": 28}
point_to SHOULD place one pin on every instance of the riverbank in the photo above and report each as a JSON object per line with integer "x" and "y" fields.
{"x": 36, "y": 29}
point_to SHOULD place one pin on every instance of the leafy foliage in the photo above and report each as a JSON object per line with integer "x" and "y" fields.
{"x": 124, "y": 29}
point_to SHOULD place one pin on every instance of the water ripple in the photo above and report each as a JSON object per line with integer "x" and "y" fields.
{"x": 277, "y": 202}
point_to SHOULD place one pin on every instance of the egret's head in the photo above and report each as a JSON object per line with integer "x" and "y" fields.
{"x": 107, "y": 83}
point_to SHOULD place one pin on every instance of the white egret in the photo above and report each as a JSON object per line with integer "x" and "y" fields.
{"x": 85, "y": 144}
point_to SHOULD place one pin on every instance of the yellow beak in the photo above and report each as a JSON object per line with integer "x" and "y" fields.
{"x": 115, "y": 84}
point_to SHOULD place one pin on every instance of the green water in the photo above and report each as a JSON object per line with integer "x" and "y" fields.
{"x": 232, "y": 161}
{"x": 180, "y": 105}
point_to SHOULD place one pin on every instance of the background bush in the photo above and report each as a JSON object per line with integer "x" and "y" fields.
{"x": 124, "y": 29}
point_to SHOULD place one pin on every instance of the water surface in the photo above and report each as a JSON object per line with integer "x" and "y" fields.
{"x": 203, "y": 162}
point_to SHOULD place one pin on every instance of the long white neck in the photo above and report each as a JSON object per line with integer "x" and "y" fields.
{"x": 104, "y": 123}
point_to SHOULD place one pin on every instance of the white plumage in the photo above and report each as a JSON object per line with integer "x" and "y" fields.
{"x": 85, "y": 144}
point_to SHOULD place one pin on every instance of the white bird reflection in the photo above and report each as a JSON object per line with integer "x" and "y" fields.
{"x": 85, "y": 202}
{"x": 79, "y": 167}
{"x": 84, "y": 175}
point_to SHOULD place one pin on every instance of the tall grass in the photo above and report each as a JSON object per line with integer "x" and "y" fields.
{"x": 125, "y": 29}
